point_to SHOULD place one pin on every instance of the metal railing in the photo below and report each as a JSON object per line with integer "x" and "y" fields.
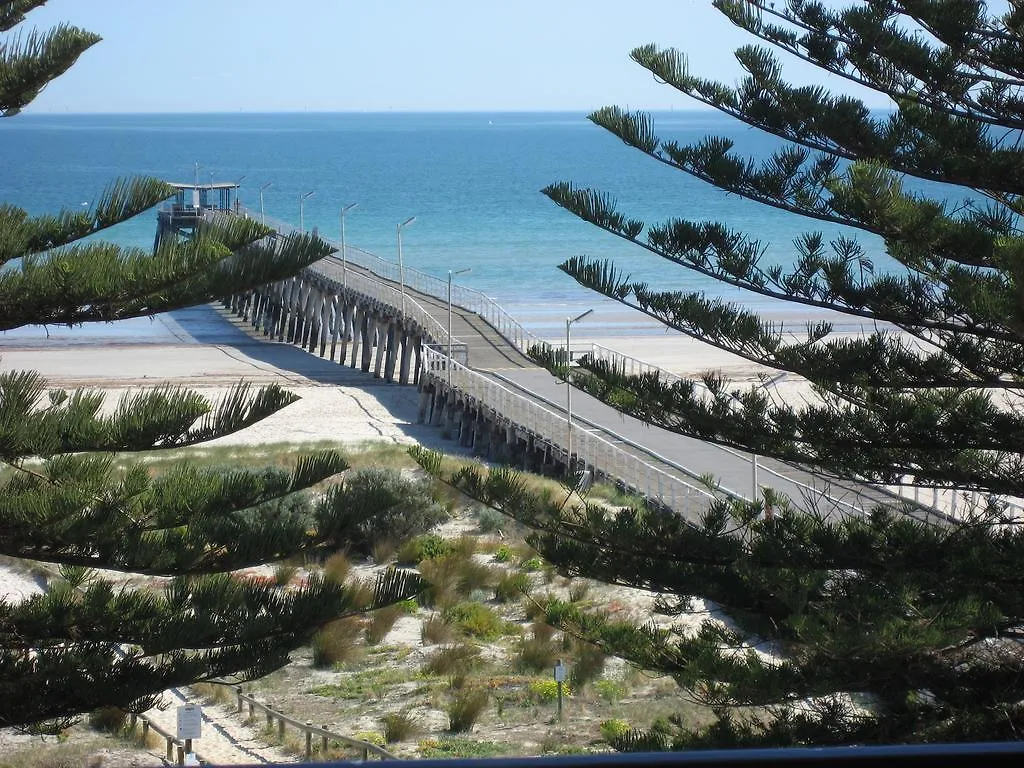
{"x": 942, "y": 501}
{"x": 945, "y": 502}
{"x": 591, "y": 450}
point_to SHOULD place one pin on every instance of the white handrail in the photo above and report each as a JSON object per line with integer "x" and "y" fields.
{"x": 591, "y": 450}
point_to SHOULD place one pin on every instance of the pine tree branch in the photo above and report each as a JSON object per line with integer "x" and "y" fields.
{"x": 30, "y": 61}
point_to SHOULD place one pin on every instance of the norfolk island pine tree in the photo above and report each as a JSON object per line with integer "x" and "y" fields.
{"x": 881, "y": 629}
{"x": 89, "y": 642}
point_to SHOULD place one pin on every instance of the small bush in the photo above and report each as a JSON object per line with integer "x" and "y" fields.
{"x": 464, "y": 748}
{"x": 283, "y": 574}
{"x": 336, "y": 642}
{"x": 474, "y": 576}
{"x": 611, "y": 691}
{"x": 378, "y": 504}
{"x": 512, "y": 586}
{"x": 531, "y": 564}
{"x": 380, "y": 623}
{"x": 108, "y": 719}
{"x": 337, "y": 568}
{"x": 452, "y": 659}
{"x": 547, "y": 690}
{"x": 420, "y": 548}
{"x": 399, "y": 726}
{"x": 465, "y": 709}
{"x": 464, "y": 547}
{"x": 588, "y": 664}
{"x": 578, "y": 591}
{"x": 436, "y": 630}
{"x": 536, "y": 654}
{"x": 442, "y": 577}
{"x": 503, "y": 554}
{"x": 614, "y": 729}
{"x": 475, "y": 620}
{"x": 489, "y": 520}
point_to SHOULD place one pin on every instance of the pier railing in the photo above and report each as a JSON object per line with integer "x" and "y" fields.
{"x": 943, "y": 502}
{"x": 591, "y": 450}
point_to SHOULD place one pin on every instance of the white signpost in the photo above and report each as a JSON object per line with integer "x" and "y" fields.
{"x": 190, "y": 726}
{"x": 560, "y": 679}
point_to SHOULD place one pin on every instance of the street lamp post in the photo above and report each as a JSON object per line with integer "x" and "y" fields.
{"x": 238, "y": 188}
{"x": 344, "y": 252}
{"x": 449, "y": 364}
{"x": 753, "y": 456}
{"x": 302, "y": 202}
{"x": 568, "y": 389}
{"x": 263, "y": 215}
{"x": 401, "y": 264}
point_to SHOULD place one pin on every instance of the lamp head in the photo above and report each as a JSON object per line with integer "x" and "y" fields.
{"x": 580, "y": 317}
{"x": 407, "y": 222}
{"x": 349, "y": 207}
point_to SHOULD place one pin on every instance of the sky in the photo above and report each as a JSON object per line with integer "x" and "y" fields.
{"x": 384, "y": 55}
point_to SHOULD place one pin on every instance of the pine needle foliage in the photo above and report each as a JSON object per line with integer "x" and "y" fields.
{"x": 104, "y": 634}
{"x": 816, "y": 627}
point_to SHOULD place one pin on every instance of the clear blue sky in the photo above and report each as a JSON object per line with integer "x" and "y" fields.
{"x": 379, "y": 55}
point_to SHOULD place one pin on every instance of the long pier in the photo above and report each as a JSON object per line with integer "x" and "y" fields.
{"x": 478, "y": 387}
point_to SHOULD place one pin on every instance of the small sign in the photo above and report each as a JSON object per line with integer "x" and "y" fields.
{"x": 190, "y": 721}
{"x": 560, "y": 672}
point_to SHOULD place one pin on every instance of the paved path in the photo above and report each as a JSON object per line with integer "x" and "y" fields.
{"x": 683, "y": 457}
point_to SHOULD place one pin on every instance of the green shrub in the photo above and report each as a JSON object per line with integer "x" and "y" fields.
{"x": 547, "y": 690}
{"x": 476, "y": 620}
{"x": 451, "y": 659}
{"x": 399, "y": 726}
{"x": 465, "y": 709}
{"x": 531, "y": 564}
{"x": 503, "y": 554}
{"x": 420, "y": 548}
{"x": 336, "y": 642}
{"x": 512, "y": 586}
{"x": 611, "y": 691}
{"x": 375, "y": 505}
{"x": 614, "y": 729}
{"x": 464, "y": 748}
{"x": 489, "y": 520}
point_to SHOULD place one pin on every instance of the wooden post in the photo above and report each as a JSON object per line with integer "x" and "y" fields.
{"x": 252, "y": 710}
{"x": 366, "y": 754}
{"x": 132, "y": 720}
{"x": 188, "y": 746}
{"x": 309, "y": 740}
{"x": 280, "y": 729}
{"x": 181, "y": 755}
{"x": 270, "y": 715}
{"x": 170, "y": 749}
{"x": 323, "y": 745}
{"x": 238, "y": 697}
{"x": 145, "y": 730}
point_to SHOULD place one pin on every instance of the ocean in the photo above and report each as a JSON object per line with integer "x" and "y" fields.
{"x": 472, "y": 180}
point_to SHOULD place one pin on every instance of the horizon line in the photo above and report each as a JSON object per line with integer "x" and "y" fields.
{"x": 552, "y": 111}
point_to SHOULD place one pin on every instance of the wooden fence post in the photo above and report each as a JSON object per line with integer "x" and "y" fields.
{"x": 309, "y": 740}
{"x": 323, "y": 745}
{"x": 270, "y": 716}
{"x": 181, "y": 755}
{"x": 170, "y": 749}
{"x": 280, "y": 729}
{"x": 238, "y": 696}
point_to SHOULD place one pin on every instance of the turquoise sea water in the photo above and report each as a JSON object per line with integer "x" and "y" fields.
{"x": 471, "y": 179}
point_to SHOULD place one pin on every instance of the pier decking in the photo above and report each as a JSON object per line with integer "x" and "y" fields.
{"x": 491, "y": 397}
